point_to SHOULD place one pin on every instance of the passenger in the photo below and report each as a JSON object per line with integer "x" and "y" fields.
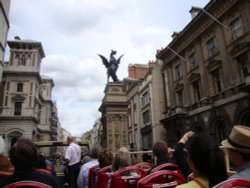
{"x": 160, "y": 150}
{"x": 72, "y": 161}
{"x": 85, "y": 159}
{"x": 180, "y": 156}
{"x": 238, "y": 148}
{"x": 23, "y": 156}
{"x": 121, "y": 160}
{"x": 82, "y": 180}
{"x": 205, "y": 160}
{"x": 105, "y": 158}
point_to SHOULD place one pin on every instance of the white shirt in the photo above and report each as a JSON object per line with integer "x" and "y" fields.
{"x": 83, "y": 177}
{"x": 73, "y": 154}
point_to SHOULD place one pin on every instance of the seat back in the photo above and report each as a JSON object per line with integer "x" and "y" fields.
{"x": 43, "y": 170}
{"x": 104, "y": 175}
{"x": 162, "y": 178}
{"x": 4, "y": 174}
{"x": 167, "y": 166}
{"x": 233, "y": 183}
{"x": 91, "y": 176}
{"x": 144, "y": 165}
{"x": 27, "y": 183}
{"x": 127, "y": 177}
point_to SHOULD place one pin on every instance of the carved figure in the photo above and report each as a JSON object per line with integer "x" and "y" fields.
{"x": 111, "y": 65}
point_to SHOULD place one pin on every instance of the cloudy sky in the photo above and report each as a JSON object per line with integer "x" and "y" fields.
{"x": 73, "y": 32}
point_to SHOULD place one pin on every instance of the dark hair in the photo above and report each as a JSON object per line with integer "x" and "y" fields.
{"x": 160, "y": 148}
{"x": 41, "y": 161}
{"x": 207, "y": 158}
{"x": 23, "y": 154}
{"x": 94, "y": 152}
{"x": 105, "y": 158}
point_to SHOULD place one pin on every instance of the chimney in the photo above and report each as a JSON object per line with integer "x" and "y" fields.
{"x": 175, "y": 34}
{"x": 17, "y": 38}
{"x": 194, "y": 11}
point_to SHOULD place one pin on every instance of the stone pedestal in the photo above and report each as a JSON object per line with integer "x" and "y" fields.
{"x": 114, "y": 117}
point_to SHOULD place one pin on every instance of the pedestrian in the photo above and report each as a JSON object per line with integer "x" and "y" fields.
{"x": 72, "y": 161}
{"x": 238, "y": 148}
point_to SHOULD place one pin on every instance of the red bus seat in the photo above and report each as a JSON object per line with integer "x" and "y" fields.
{"x": 144, "y": 165}
{"x": 104, "y": 175}
{"x": 167, "y": 166}
{"x": 43, "y": 170}
{"x": 127, "y": 177}
{"x": 233, "y": 183}
{"x": 27, "y": 183}
{"x": 91, "y": 176}
{"x": 4, "y": 174}
{"x": 162, "y": 178}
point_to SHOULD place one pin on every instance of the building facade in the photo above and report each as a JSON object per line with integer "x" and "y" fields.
{"x": 207, "y": 71}
{"x": 27, "y": 108}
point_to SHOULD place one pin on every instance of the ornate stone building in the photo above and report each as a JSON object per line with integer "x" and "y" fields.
{"x": 207, "y": 71}
{"x": 27, "y": 108}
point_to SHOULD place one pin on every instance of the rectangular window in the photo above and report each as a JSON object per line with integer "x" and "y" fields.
{"x": 22, "y": 60}
{"x": 19, "y": 87}
{"x": 18, "y": 108}
{"x": 6, "y": 101}
{"x": 8, "y": 86}
{"x": 31, "y": 86}
{"x": 197, "y": 91}
{"x": 192, "y": 61}
{"x": 178, "y": 72}
{"x": 217, "y": 81}
{"x": 145, "y": 98}
{"x": 145, "y": 117}
{"x": 211, "y": 47}
{"x": 244, "y": 63}
{"x": 236, "y": 28}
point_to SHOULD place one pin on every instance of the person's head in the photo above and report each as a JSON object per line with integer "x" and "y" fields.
{"x": 41, "y": 161}
{"x": 160, "y": 149}
{"x": 4, "y": 163}
{"x": 105, "y": 158}
{"x": 94, "y": 152}
{"x": 205, "y": 158}
{"x": 70, "y": 139}
{"x": 86, "y": 159}
{"x": 23, "y": 154}
{"x": 122, "y": 159}
{"x": 238, "y": 145}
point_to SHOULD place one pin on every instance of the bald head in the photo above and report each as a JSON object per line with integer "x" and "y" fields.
{"x": 70, "y": 139}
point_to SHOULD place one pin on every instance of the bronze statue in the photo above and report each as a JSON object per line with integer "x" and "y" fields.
{"x": 111, "y": 65}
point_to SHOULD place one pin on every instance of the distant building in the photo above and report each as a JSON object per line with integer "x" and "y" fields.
{"x": 26, "y": 105}
{"x": 207, "y": 71}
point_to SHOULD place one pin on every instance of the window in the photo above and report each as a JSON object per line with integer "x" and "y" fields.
{"x": 18, "y": 108}
{"x": 192, "y": 61}
{"x": 145, "y": 117}
{"x": 19, "y": 87}
{"x": 211, "y": 47}
{"x": 22, "y": 60}
{"x": 217, "y": 81}
{"x": 244, "y": 63}
{"x": 197, "y": 91}
{"x": 236, "y": 28}
{"x": 178, "y": 72}
{"x": 145, "y": 98}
